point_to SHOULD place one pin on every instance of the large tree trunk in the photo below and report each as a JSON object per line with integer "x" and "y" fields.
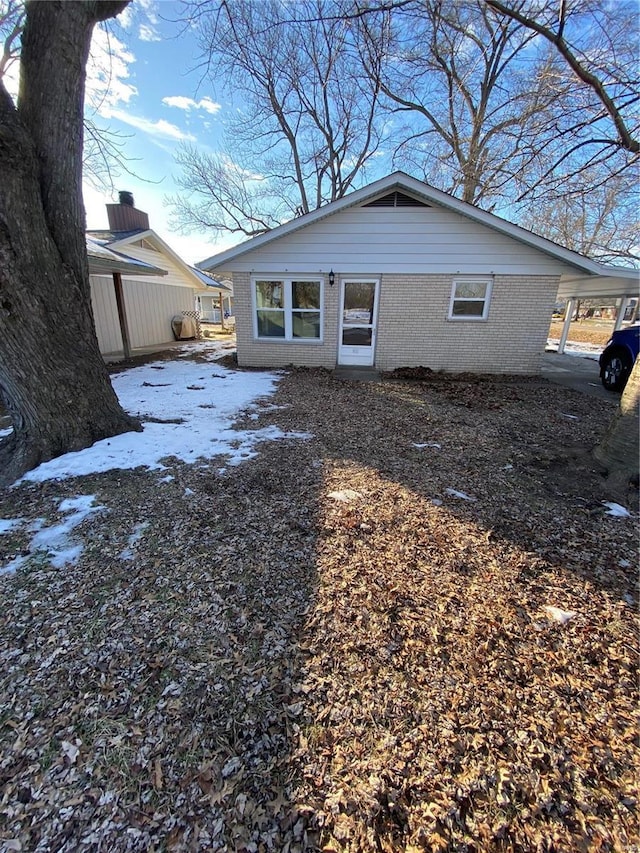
{"x": 619, "y": 450}
{"x": 53, "y": 380}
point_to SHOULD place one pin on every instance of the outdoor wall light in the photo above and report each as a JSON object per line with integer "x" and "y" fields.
{"x": 332, "y": 277}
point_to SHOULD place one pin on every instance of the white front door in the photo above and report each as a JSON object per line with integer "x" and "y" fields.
{"x": 358, "y": 315}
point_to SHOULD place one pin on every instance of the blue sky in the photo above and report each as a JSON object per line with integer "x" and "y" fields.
{"x": 143, "y": 82}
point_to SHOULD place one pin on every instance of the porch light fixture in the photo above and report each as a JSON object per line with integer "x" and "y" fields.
{"x": 332, "y": 277}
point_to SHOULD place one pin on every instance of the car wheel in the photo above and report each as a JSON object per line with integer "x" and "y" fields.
{"x": 615, "y": 371}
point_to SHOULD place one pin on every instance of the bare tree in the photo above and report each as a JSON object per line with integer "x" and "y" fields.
{"x": 12, "y": 17}
{"x": 597, "y": 129}
{"x": 617, "y": 97}
{"x": 470, "y": 90}
{"x": 53, "y": 380}
{"x": 307, "y": 127}
{"x": 596, "y": 218}
{"x": 103, "y": 156}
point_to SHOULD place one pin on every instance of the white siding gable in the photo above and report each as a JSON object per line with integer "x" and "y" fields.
{"x": 176, "y": 277}
{"x": 400, "y": 240}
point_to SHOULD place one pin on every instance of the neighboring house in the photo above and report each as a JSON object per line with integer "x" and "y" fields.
{"x": 150, "y": 302}
{"x": 217, "y": 301}
{"x": 400, "y": 274}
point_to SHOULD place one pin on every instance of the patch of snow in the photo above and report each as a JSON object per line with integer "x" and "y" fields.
{"x": 71, "y": 750}
{"x": 188, "y": 493}
{"x": 507, "y": 467}
{"x": 462, "y": 495}
{"x": 580, "y": 350}
{"x": 56, "y": 541}
{"x": 133, "y": 540}
{"x": 6, "y": 431}
{"x": 7, "y": 524}
{"x": 436, "y": 501}
{"x": 571, "y": 417}
{"x": 167, "y": 479}
{"x": 558, "y": 615}
{"x": 12, "y": 566}
{"x": 624, "y": 564}
{"x": 187, "y": 391}
{"x": 210, "y": 350}
{"x": 428, "y": 444}
{"x": 616, "y": 510}
{"x": 345, "y": 495}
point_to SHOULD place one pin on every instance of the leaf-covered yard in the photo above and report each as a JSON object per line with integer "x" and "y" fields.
{"x": 415, "y": 630}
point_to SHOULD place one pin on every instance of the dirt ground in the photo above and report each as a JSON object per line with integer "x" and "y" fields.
{"x": 585, "y": 331}
{"x": 414, "y": 631}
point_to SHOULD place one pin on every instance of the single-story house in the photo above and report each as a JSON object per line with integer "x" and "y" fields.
{"x": 401, "y": 274}
{"x": 216, "y": 304}
{"x": 149, "y": 301}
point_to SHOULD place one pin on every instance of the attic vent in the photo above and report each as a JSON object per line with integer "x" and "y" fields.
{"x": 396, "y": 199}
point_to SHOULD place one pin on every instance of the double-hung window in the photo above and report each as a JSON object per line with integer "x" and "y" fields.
{"x": 470, "y": 299}
{"x": 288, "y": 309}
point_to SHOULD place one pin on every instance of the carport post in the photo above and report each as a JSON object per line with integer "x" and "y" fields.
{"x": 621, "y": 308}
{"x": 567, "y": 322}
{"x": 122, "y": 314}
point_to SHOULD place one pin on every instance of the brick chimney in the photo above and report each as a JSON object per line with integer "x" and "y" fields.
{"x": 124, "y": 216}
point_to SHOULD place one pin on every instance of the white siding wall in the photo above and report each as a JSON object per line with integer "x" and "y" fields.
{"x": 398, "y": 240}
{"x": 105, "y": 313}
{"x": 150, "y": 307}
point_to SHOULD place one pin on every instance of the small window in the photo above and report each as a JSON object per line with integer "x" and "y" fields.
{"x": 470, "y": 299}
{"x": 289, "y": 309}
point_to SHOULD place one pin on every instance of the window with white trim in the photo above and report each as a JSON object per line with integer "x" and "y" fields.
{"x": 470, "y": 299}
{"x": 288, "y": 309}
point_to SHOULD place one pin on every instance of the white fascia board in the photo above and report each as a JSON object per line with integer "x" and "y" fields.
{"x": 610, "y": 286}
{"x": 400, "y": 180}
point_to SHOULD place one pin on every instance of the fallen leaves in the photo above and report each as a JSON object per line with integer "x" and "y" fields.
{"x": 327, "y": 647}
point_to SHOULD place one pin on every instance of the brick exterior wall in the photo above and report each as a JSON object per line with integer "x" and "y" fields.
{"x": 413, "y": 328}
{"x": 253, "y": 353}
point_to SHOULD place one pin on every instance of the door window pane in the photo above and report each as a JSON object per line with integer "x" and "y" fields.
{"x": 357, "y": 337}
{"x": 358, "y": 302}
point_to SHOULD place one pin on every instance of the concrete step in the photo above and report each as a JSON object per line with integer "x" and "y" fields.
{"x": 357, "y": 374}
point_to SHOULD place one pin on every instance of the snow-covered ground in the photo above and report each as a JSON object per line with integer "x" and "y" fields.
{"x": 187, "y": 409}
{"x": 582, "y": 350}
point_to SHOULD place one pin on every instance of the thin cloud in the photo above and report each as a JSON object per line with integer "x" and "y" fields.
{"x": 147, "y": 33}
{"x": 108, "y": 83}
{"x": 181, "y": 102}
{"x": 153, "y": 128}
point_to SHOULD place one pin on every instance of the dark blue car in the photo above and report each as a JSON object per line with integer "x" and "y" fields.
{"x": 617, "y": 359}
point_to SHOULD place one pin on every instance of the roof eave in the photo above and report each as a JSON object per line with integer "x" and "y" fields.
{"x": 98, "y": 266}
{"x": 419, "y": 188}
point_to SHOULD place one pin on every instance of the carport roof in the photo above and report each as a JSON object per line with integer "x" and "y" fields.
{"x": 624, "y": 283}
